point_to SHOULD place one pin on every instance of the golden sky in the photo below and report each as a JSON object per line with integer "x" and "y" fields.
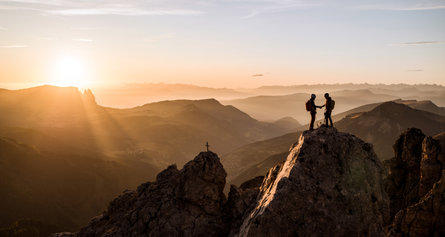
{"x": 221, "y": 43}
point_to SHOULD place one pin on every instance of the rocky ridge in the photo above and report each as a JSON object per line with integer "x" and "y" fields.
{"x": 331, "y": 183}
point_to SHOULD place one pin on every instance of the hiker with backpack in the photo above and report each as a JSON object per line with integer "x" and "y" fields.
{"x": 330, "y": 103}
{"x": 311, "y": 107}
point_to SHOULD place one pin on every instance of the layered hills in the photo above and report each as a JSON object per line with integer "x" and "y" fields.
{"x": 379, "y": 126}
{"x": 275, "y": 107}
{"x": 58, "y": 144}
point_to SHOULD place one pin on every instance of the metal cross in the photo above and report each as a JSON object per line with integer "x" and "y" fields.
{"x": 207, "y": 145}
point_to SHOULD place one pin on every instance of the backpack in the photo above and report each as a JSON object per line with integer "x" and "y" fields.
{"x": 308, "y": 105}
{"x": 332, "y": 104}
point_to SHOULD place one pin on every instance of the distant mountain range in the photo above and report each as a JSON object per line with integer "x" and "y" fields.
{"x": 275, "y": 107}
{"x": 130, "y": 95}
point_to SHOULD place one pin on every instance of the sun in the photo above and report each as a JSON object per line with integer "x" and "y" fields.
{"x": 70, "y": 71}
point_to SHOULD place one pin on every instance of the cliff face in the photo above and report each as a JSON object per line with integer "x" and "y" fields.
{"x": 330, "y": 184}
{"x": 416, "y": 186}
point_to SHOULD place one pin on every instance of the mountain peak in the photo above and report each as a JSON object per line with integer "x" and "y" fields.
{"x": 329, "y": 181}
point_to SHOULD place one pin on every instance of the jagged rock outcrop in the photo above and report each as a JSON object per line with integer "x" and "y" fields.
{"x": 425, "y": 218}
{"x": 186, "y": 202}
{"x": 416, "y": 186}
{"x": 330, "y": 185}
{"x": 417, "y": 165}
{"x": 402, "y": 183}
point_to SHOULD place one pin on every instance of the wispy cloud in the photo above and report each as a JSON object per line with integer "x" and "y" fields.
{"x": 414, "y": 70}
{"x": 3, "y": 28}
{"x": 257, "y": 75}
{"x": 111, "y": 7}
{"x": 258, "y": 7}
{"x": 84, "y": 40}
{"x": 275, "y": 6}
{"x": 405, "y": 5}
{"x": 124, "y": 12}
{"x": 414, "y": 43}
{"x": 13, "y": 46}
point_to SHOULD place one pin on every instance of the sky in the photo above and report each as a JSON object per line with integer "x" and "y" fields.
{"x": 221, "y": 43}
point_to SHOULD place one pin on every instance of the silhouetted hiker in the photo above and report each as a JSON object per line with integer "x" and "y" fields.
{"x": 310, "y": 106}
{"x": 329, "y": 107}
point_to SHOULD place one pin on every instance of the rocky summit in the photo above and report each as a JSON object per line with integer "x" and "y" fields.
{"x": 331, "y": 184}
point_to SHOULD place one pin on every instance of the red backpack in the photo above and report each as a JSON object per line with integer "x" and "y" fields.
{"x": 308, "y": 105}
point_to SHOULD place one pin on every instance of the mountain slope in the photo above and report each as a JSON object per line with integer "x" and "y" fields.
{"x": 382, "y": 125}
{"x": 274, "y": 107}
{"x": 62, "y": 190}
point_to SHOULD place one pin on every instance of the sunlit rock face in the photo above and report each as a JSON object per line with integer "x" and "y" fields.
{"x": 330, "y": 185}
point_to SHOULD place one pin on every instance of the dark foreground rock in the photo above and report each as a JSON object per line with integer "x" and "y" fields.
{"x": 186, "y": 202}
{"x": 330, "y": 185}
{"x": 416, "y": 186}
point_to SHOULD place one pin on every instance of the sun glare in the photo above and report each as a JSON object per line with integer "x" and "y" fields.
{"x": 69, "y": 71}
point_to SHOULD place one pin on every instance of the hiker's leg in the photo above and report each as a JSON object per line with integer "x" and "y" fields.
{"x": 311, "y": 127}
{"x": 330, "y": 119}
{"x": 326, "y": 119}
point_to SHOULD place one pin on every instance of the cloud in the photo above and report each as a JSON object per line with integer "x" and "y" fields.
{"x": 13, "y": 46}
{"x": 400, "y": 5}
{"x": 257, "y": 7}
{"x": 84, "y": 40}
{"x": 414, "y": 70}
{"x": 3, "y": 28}
{"x": 257, "y": 75}
{"x": 276, "y": 6}
{"x": 123, "y": 12}
{"x": 414, "y": 43}
{"x": 102, "y": 7}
